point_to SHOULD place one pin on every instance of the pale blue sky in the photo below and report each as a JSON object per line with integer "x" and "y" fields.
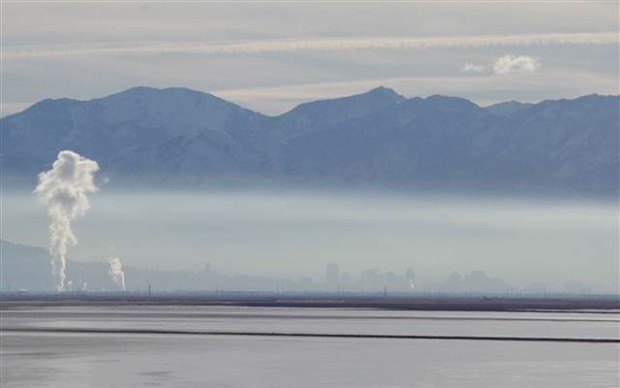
{"x": 270, "y": 57}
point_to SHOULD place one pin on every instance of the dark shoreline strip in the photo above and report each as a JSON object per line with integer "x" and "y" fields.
{"x": 145, "y": 314}
{"x": 309, "y": 335}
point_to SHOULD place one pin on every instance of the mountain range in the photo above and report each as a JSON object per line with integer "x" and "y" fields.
{"x": 379, "y": 139}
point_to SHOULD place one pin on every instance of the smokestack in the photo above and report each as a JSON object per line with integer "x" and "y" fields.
{"x": 410, "y": 277}
{"x": 117, "y": 274}
{"x": 63, "y": 189}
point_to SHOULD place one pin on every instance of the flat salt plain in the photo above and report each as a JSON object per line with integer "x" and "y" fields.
{"x": 35, "y": 355}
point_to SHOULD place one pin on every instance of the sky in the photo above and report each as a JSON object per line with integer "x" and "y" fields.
{"x": 271, "y": 56}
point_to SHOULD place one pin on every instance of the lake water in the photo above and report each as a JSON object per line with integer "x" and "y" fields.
{"x": 53, "y": 359}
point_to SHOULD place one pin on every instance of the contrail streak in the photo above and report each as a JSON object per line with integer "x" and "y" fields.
{"x": 313, "y": 44}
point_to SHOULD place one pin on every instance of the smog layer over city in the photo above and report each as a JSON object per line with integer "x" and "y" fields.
{"x": 343, "y": 194}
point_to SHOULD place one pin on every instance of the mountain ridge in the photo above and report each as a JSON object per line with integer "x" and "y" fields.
{"x": 179, "y": 136}
{"x": 390, "y": 90}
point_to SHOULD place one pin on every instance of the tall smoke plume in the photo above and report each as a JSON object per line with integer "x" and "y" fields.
{"x": 63, "y": 189}
{"x": 117, "y": 274}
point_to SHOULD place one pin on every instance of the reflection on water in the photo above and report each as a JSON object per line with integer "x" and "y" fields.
{"x": 317, "y": 320}
{"x": 106, "y": 360}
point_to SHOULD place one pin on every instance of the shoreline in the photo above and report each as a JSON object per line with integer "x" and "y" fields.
{"x": 49, "y": 330}
{"x": 578, "y": 304}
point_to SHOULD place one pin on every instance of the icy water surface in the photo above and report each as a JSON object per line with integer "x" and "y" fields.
{"x": 121, "y": 359}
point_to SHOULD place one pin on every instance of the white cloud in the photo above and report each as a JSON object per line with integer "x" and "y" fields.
{"x": 505, "y": 65}
{"x": 473, "y": 68}
{"x": 311, "y": 44}
{"x": 515, "y": 64}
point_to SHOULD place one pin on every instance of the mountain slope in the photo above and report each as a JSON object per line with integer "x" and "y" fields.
{"x": 378, "y": 138}
{"x": 114, "y": 127}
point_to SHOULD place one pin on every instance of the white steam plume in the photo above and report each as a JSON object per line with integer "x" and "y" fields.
{"x": 117, "y": 274}
{"x": 63, "y": 189}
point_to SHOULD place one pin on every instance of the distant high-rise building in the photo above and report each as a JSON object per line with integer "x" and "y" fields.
{"x": 410, "y": 278}
{"x": 332, "y": 276}
{"x": 372, "y": 280}
{"x": 396, "y": 282}
{"x": 346, "y": 281}
{"x": 454, "y": 283}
